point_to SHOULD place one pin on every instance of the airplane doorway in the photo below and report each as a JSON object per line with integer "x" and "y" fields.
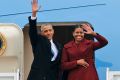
{"x": 63, "y": 34}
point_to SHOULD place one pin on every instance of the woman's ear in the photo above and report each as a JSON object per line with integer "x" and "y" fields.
{"x": 73, "y": 34}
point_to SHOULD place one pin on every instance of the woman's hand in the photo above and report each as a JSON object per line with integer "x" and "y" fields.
{"x": 82, "y": 62}
{"x": 87, "y": 29}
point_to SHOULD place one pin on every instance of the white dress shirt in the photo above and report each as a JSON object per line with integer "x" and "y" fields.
{"x": 33, "y": 18}
{"x": 54, "y": 50}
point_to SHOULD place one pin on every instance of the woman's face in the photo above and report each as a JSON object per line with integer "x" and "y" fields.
{"x": 78, "y": 34}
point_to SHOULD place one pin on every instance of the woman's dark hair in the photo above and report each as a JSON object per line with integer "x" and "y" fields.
{"x": 87, "y": 36}
{"x": 76, "y": 26}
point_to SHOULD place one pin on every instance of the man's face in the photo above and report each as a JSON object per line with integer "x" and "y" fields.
{"x": 47, "y": 31}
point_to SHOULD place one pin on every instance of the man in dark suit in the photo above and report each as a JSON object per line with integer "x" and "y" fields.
{"x": 46, "y": 51}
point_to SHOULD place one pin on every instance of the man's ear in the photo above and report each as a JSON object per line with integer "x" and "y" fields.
{"x": 53, "y": 31}
{"x": 38, "y": 31}
{"x": 41, "y": 33}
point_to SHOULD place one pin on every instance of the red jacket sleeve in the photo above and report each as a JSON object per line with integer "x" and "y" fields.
{"x": 101, "y": 42}
{"x": 65, "y": 63}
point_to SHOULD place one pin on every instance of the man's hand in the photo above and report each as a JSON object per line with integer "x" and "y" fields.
{"x": 34, "y": 7}
{"x": 82, "y": 62}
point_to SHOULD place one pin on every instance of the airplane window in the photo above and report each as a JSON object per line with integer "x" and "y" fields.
{"x": 2, "y": 44}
